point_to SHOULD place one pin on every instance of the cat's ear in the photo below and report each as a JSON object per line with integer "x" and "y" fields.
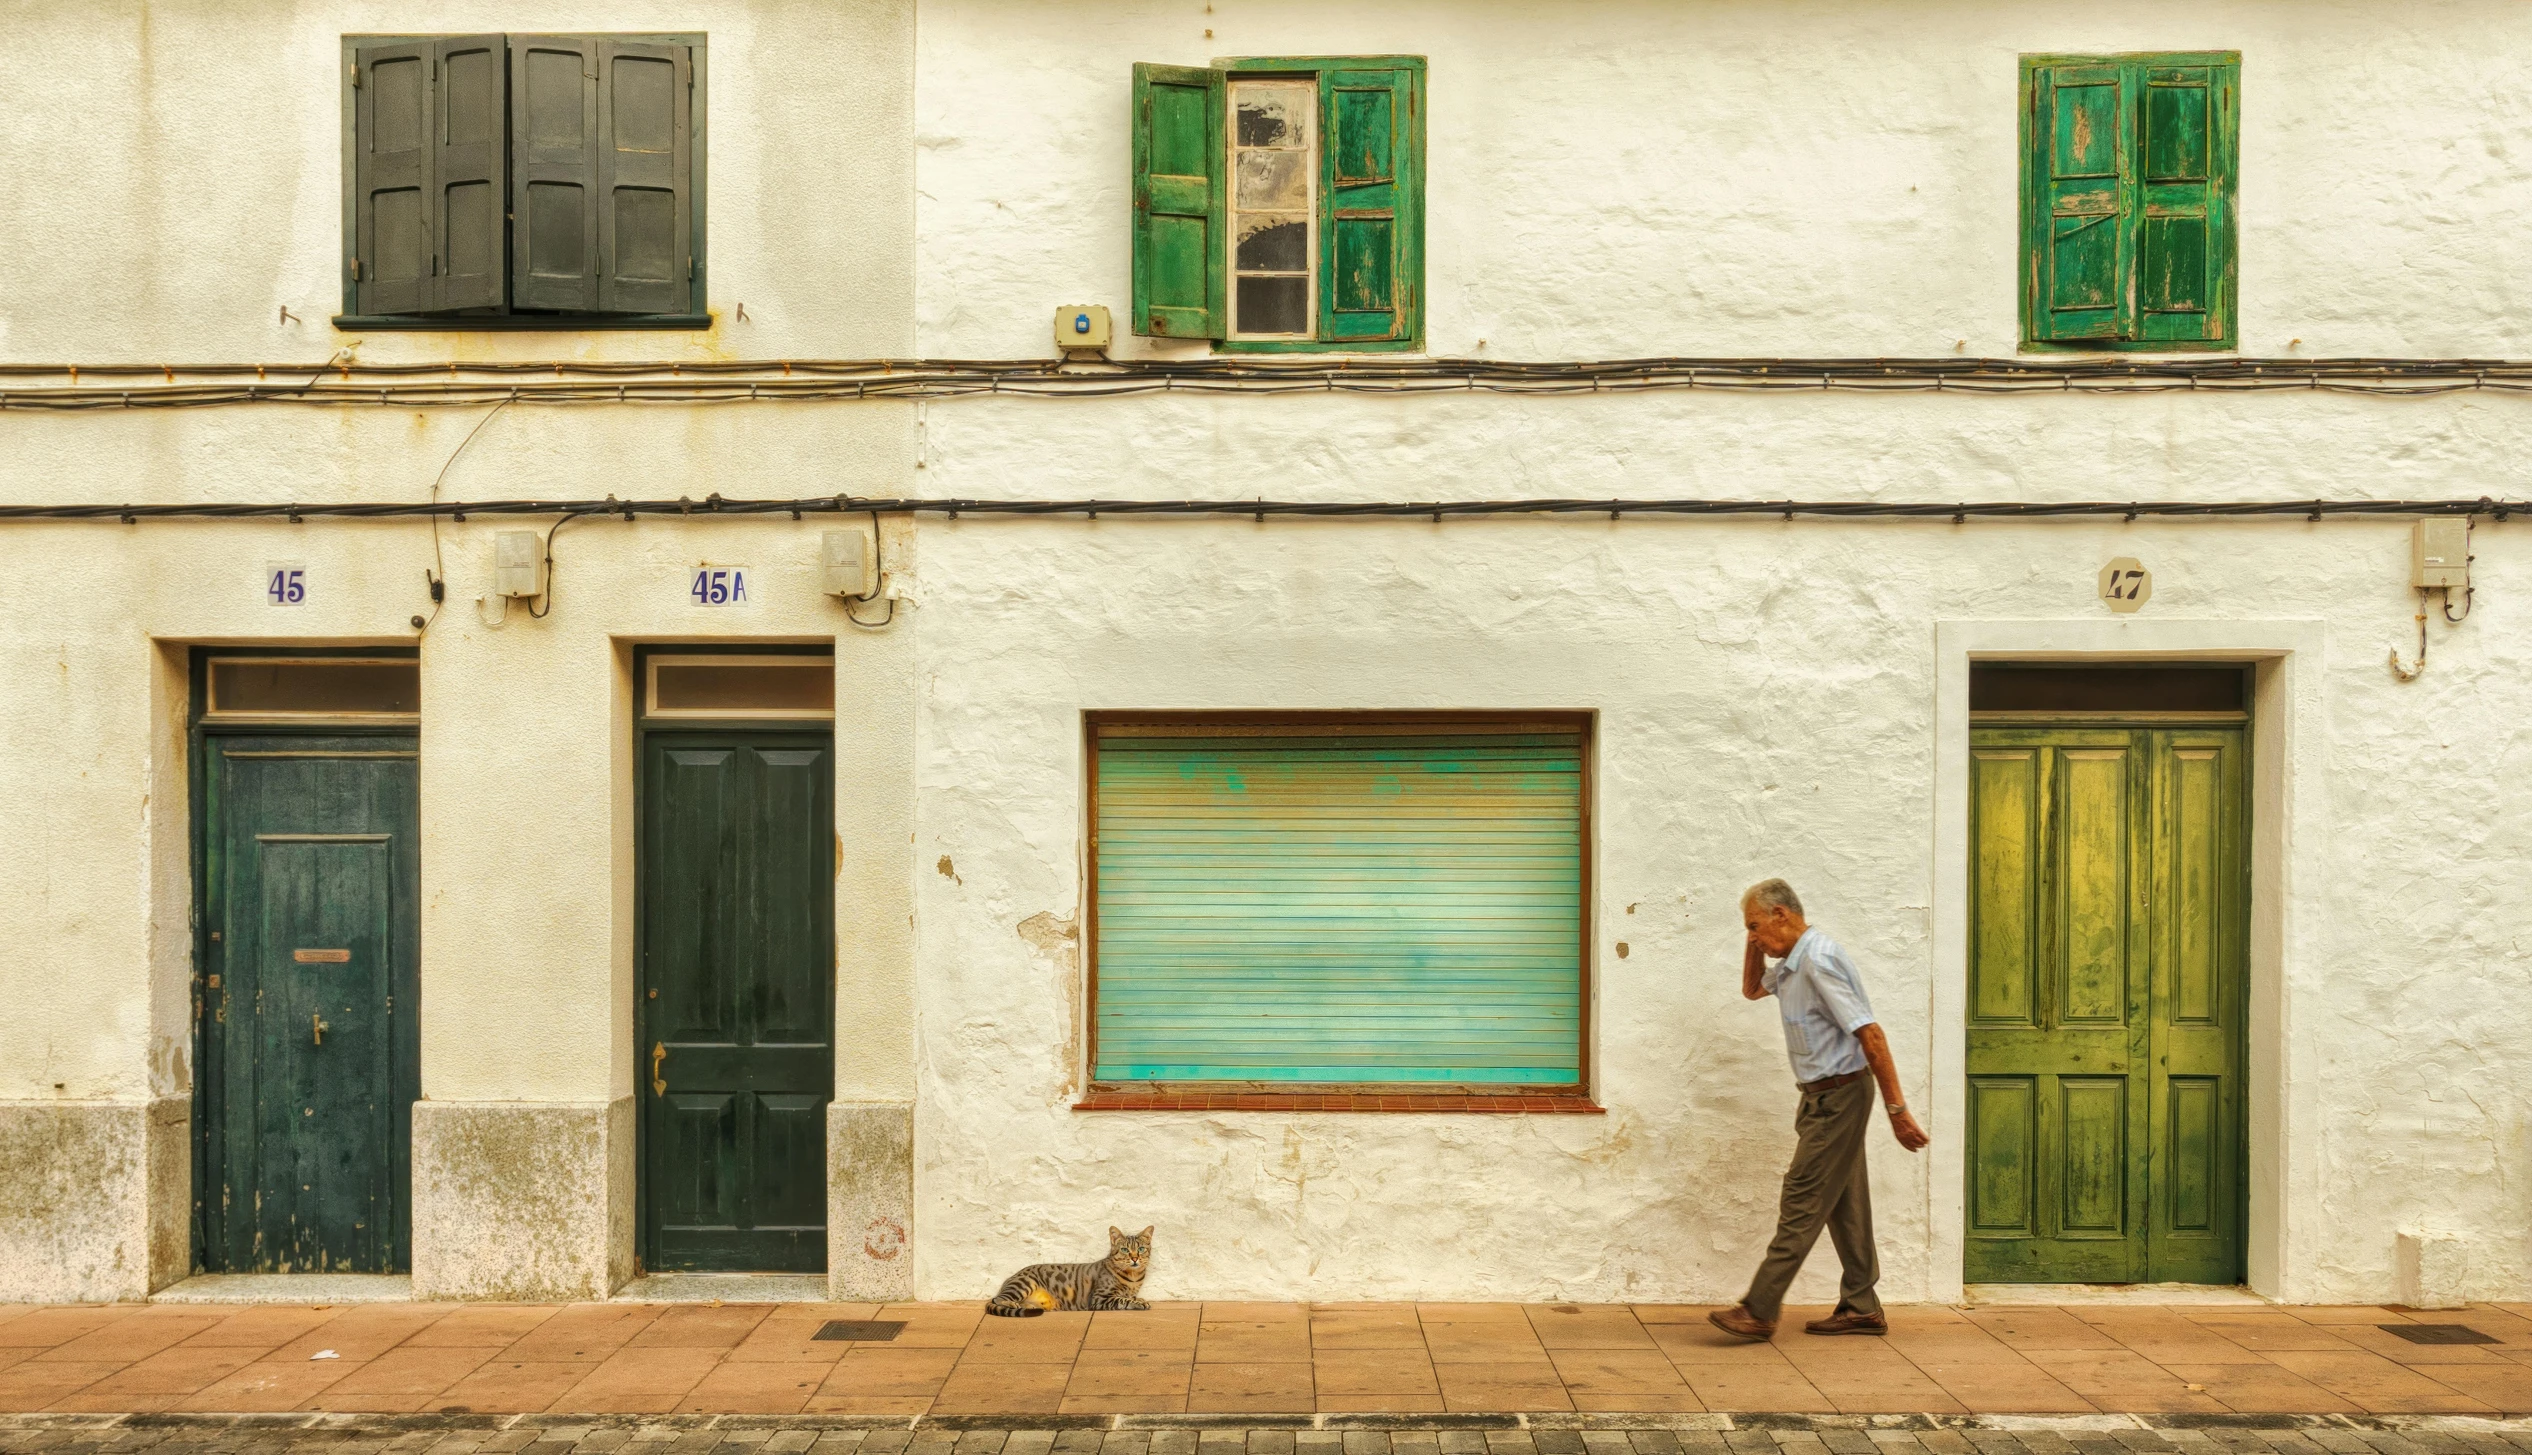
{"x": 1146, "y": 1234}
{"x": 1114, "y": 1237}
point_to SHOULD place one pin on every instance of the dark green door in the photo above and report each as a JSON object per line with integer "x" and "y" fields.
{"x": 737, "y": 1005}
{"x": 308, "y": 992}
{"x": 2107, "y": 973}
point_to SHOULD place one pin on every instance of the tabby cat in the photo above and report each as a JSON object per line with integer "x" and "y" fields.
{"x": 1113, "y": 1282}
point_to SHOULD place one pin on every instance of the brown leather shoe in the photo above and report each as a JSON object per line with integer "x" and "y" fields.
{"x": 1844, "y": 1322}
{"x": 1740, "y": 1323}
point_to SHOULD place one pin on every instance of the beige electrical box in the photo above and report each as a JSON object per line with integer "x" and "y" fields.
{"x": 1081, "y": 326}
{"x": 2439, "y": 553}
{"x": 844, "y": 564}
{"x": 518, "y": 563}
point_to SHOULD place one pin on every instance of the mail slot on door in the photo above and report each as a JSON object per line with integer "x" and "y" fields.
{"x": 322, "y": 957}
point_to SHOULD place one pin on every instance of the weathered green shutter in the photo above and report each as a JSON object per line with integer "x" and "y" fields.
{"x": 1350, "y": 908}
{"x": 471, "y": 176}
{"x": 2184, "y": 252}
{"x": 645, "y": 253}
{"x": 554, "y": 167}
{"x": 2079, "y": 207}
{"x": 1181, "y": 272}
{"x": 395, "y": 113}
{"x": 1371, "y": 128}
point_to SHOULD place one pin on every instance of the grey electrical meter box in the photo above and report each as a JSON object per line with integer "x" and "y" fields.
{"x": 2439, "y": 553}
{"x": 845, "y": 564}
{"x": 518, "y": 563}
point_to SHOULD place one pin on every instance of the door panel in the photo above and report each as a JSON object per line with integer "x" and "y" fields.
{"x": 2105, "y": 1108}
{"x": 737, "y": 999}
{"x": 310, "y": 966}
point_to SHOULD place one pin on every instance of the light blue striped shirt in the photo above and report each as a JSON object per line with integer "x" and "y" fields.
{"x": 1823, "y": 1004}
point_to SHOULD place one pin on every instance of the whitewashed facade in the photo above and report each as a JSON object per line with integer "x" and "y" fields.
{"x": 930, "y": 180}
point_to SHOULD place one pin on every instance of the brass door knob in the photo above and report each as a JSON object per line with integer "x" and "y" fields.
{"x": 659, "y": 1083}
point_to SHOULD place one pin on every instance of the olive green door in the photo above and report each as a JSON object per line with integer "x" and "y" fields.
{"x": 2108, "y": 897}
{"x": 307, "y": 993}
{"x": 737, "y": 1002}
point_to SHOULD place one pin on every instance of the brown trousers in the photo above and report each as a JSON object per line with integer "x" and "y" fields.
{"x": 1825, "y": 1186}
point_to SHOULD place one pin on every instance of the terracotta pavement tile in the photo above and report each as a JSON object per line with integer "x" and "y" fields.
{"x": 2488, "y": 1317}
{"x": 701, "y": 1326}
{"x": 1161, "y": 1327}
{"x": 1122, "y": 1404}
{"x": 886, "y": 1371}
{"x": 270, "y": 1385}
{"x": 2355, "y": 1313}
{"x": 2263, "y": 1389}
{"x": 2379, "y": 1385}
{"x": 1470, "y": 1313}
{"x": 46, "y": 1327}
{"x": 415, "y": 1371}
{"x": 1391, "y": 1326}
{"x": 1751, "y": 1386}
{"x": 363, "y": 1331}
{"x": 1138, "y": 1372}
{"x": 2004, "y": 1383}
{"x": 36, "y": 1383}
{"x": 482, "y": 1326}
{"x": 1861, "y": 1374}
{"x": 1050, "y": 1338}
{"x": 1672, "y": 1313}
{"x": 1679, "y": 1401}
{"x": 2372, "y": 1339}
{"x": 996, "y": 1389}
{"x": 90, "y": 1402}
{"x": 1373, "y": 1371}
{"x": 1252, "y": 1342}
{"x": 1500, "y": 1387}
{"x": 129, "y": 1340}
{"x": 1484, "y": 1343}
{"x": 264, "y": 1327}
{"x": 1956, "y": 1342}
{"x": 1252, "y": 1313}
{"x": 1283, "y": 1388}
{"x": 333, "y": 1402}
{"x": 637, "y": 1381}
{"x": 762, "y": 1388}
{"x": 583, "y": 1333}
{"x": 2507, "y": 1386}
{"x": 175, "y": 1371}
{"x": 509, "y": 1386}
{"x": 2263, "y": 1332}
{"x": 1702, "y": 1342}
{"x": 2122, "y": 1380}
{"x": 867, "y": 1404}
{"x": 2028, "y": 1329}
{"x": 788, "y": 1341}
{"x": 1924, "y": 1317}
{"x": 1616, "y": 1371}
{"x": 1380, "y": 1404}
{"x": 1588, "y": 1326}
{"x": 9, "y": 1356}
{"x": 939, "y": 1325}
{"x": 2167, "y": 1338}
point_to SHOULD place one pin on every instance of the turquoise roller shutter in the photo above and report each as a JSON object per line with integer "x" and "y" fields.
{"x": 1339, "y": 908}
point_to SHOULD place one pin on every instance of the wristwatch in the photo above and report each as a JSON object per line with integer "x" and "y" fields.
{"x": 1894, "y": 1107}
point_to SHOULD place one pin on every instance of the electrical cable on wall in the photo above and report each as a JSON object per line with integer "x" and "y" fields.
{"x": 438, "y": 575}
{"x": 879, "y": 585}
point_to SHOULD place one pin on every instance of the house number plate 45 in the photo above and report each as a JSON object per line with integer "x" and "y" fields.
{"x": 2126, "y": 584}
{"x": 718, "y": 586}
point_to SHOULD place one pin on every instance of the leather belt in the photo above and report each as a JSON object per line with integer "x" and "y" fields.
{"x": 1832, "y": 1083}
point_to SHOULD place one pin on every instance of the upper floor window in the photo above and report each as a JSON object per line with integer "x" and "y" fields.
{"x": 523, "y": 181}
{"x": 1279, "y": 203}
{"x": 2129, "y": 165}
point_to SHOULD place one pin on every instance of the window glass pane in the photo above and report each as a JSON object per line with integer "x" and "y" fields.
{"x": 2106, "y": 689}
{"x": 266, "y": 686}
{"x": 1274, "y": 166}
{"x": 745, "y": 687}
{"x": 1274, "y": 305}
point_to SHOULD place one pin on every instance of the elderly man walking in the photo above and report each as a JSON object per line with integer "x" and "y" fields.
{"x": 1835, "y": 1045}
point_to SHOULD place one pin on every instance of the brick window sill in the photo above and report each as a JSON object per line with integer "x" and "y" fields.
{"x": 1340, "y": 1101}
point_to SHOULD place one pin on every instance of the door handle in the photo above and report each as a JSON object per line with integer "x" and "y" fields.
{"x": 316, "y": 1031}
{"x": 659, "y": 1083}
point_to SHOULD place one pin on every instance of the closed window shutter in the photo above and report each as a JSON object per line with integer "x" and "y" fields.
{"x": 471, "y": 176}
{"x": 2080, "y": 204}
{"x": 395, "y": 115}
{"x": 2184, "y": 229}
{"x": 1346, "y": 908}
{"x": 1371, "y": 213}
{"x": 645, "y": 249}
{"x": 554, "y": 172}
{"x": 1181, "y": 271}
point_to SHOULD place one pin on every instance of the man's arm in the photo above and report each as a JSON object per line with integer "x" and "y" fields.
{"x": 1886, "y": 1073}
{"x": 1753, "y": 970}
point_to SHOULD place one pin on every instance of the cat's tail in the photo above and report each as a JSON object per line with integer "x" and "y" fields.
{"x": 1012, "y": 1311}
{"x": 1022, "y": 1297}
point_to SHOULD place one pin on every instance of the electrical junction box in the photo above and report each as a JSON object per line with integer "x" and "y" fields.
{"x": 518, "y": 563}
{"x": 1081, "y": 326}
{"x": 2439, "y": 553}
{"x": 845, "y": 563}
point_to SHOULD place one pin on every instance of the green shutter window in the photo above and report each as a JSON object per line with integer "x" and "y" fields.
{"x": 470, "y": 161}
{"x": 554, "y": 147}
{"x": 1279, "y": 203}
{"x": 1375, "y": 904}
{"x": 2129, "y": 165}
{"x": 395, "y": 103}
{"x": 644, "y": 258}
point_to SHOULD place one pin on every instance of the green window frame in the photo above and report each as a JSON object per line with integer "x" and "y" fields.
{"x": 1361, "y": 191}
{"x": 2129, "y": 169}
{"x": 1305, "y": 902}
{"x": 517, "y": 181}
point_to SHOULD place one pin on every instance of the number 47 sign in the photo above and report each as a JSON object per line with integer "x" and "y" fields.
{"x": 2126, "y": 584}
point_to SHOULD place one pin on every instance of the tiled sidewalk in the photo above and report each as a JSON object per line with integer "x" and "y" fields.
{"x": 1238, "y": 1358}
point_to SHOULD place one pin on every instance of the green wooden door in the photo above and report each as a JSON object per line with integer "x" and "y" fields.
{"x": 308, "y": 996}
{"x": 737, "y": 1005}
{"x": 2106, "y": 995}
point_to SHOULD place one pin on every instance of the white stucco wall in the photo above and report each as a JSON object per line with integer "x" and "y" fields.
{"x": 1606, "y": 180}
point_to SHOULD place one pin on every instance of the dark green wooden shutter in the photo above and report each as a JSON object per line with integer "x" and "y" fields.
{"x": 471, "y": 175}
{"x": 2184, "y": 251}
{"x": 2078, "y": 206}
{"x": 645, "y": 252}
{"x": 1181, "y": 273}
{"x": 1371, "y": 213}
{"x": 394, "y": 117}
{"x": 554, "y": 170}
{"x": 1358, "y": 908}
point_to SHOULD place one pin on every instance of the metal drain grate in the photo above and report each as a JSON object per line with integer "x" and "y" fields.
{"x": 874, "y": 1331}
{"x": 2438, "y": 1333}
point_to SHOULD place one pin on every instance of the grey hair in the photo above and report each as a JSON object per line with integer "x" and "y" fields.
{"x": 1772, "y": 894}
